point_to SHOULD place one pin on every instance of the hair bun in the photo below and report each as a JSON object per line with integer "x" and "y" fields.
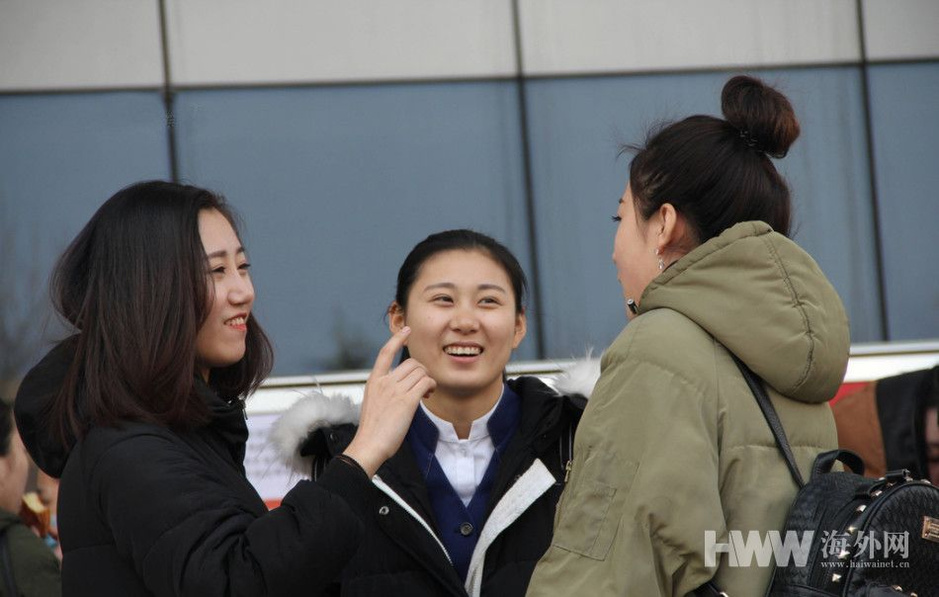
{"x": 762, "y": 114}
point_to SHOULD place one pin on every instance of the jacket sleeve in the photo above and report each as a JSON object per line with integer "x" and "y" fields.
{"x": 643, "y": 490}
{"x": 186, "y": 533}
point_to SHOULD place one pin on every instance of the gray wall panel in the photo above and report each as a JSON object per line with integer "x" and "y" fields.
{"x": 616, "y": 36}
{"x": 901, "y": 30}
{"x": 51, "y": 44}
{"x": 830, "y": 179}
{"x": 906, "y": 127}
{"x": 61, "y": 156}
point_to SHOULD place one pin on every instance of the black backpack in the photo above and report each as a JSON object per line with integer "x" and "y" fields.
{"x": 872, "y": 537}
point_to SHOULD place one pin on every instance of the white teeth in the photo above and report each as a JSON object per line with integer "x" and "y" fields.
{"x": 235, "y": 321}
{"x": 463, "y": 350}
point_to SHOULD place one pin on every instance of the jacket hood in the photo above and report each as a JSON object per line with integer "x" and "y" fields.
{"x": 34, "y": 398}
{"x": 767, "y": 301}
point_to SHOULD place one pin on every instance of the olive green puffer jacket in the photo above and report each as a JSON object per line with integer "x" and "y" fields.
{"x": 672, "y": 443}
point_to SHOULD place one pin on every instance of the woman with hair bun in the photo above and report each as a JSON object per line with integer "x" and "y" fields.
{"x": 673, "y": 453}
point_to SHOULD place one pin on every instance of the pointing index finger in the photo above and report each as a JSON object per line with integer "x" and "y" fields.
{"x": 387, "y": 353}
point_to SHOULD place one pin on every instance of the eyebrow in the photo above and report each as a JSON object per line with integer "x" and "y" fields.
{"x": 452, "y": 286}
{"x": 224, "y": 252}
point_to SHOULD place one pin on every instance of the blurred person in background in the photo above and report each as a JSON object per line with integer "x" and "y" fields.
{"x": 27, "y": 567}
{"x": 892, "y": 424}
{"x": 466, "y": 506}
{"x": 141, "y": 415}
{"x": 673, "y": 445}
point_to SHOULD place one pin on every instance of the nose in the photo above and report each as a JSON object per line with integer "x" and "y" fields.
{"x": 464, "y": 320}
{"x": 241, "y": 291}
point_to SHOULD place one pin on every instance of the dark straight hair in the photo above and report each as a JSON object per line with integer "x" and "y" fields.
{"x": 135, "y": 285}
{"x": 717, "y": 172}
{"x": 461, "y": 240}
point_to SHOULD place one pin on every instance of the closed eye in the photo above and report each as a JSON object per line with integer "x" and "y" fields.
{"x": 616, "y": 218}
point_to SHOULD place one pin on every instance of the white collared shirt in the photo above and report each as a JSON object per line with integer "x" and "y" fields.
{"x": 464, "y": 461}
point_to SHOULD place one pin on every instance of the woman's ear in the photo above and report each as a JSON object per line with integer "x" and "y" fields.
{"x": 396, "y": 319}
{"x": 673, "y": 231}
{"x": 521, "y": 328}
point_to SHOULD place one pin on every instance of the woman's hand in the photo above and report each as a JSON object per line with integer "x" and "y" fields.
{"x": 391, "y": 397}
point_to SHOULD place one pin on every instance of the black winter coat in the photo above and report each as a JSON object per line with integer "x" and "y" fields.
{"x": 146, "y": 510}
{"x": 401, "y": 554}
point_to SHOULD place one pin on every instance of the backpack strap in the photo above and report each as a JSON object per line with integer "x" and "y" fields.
{"x": 769, "y": 413}
{"x": 7, "y": 564}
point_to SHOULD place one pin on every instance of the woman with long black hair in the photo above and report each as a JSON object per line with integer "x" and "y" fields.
{"x": 141, "y": 414}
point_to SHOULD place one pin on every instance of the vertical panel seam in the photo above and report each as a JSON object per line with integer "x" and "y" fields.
{"x": 536, "y": 311}
{"x": 169, "y": 95}
{"x": 872, "y": 175}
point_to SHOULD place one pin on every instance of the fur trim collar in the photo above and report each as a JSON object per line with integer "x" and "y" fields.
{"x": 579, "y": 377}
{"x": 314, "y": 411}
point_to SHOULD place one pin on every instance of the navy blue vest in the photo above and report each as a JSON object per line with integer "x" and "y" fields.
{"x": 459, "y": 526}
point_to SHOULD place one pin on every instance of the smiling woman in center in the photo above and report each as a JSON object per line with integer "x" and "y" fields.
{"x": 466, "y": 505}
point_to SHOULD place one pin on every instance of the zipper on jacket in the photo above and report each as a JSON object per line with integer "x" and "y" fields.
{"x": 387, "y": 490}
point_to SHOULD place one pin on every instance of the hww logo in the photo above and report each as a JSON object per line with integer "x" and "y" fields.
{"x": 766, "y": 550}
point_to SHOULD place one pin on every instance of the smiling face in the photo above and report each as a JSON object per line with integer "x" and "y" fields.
{"x": 221, "y": 339}
{"x": 464, "y": 326}
{"x": 634, "y": 250}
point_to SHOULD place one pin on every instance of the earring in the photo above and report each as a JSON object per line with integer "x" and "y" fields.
{"x": 661, "y": 261}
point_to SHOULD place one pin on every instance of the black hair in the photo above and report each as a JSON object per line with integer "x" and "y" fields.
{"x": 134, "y": 285}
{"x": 717, "y": 172}
{"x": 460, "y": 240}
